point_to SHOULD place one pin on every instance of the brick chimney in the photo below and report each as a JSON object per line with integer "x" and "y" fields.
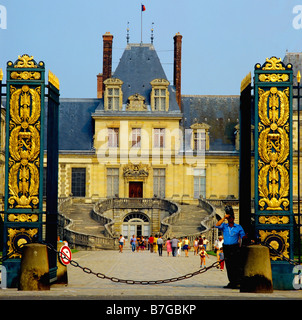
{"x": 177, "y": 67}
{"x": 107, "y": 63}
{"x": 99, "y": 86}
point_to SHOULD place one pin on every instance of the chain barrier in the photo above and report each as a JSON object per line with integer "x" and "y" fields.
{"x": 279, "y": 254}
{"x": 145, "y": 282}
{"x": 141, "y": 282}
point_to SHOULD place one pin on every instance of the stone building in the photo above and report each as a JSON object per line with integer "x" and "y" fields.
{"x": 140, "y": 138}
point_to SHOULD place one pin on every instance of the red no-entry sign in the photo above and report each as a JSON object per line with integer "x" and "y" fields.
{"x": 65, "y": 255}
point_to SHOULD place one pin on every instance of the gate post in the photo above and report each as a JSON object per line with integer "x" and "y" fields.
{"x": 273, "y": 165}
{"x": 52, "y": 171}
{"x": 23, "y": 204}
{"x": 245, "y": 156}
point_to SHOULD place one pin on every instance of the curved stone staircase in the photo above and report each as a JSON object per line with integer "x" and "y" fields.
{"x": 189, "y": 221}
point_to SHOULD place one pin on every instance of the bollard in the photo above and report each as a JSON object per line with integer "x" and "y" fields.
{"x": 34, "y": 269}
{"x": 62, "y": 277}
{"x": 257, "y": 272}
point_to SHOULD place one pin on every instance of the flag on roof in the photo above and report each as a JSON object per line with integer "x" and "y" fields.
{"x": 143, "y": 8}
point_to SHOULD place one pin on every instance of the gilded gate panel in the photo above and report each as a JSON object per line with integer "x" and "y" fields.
{"x": 23, "y": 204}
{"x": 24, "y": 153}
{"x": 273, "y": 155}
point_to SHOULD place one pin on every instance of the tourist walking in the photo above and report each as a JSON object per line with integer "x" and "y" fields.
{"x": 233, "y": 233}
{"x": 155, "y": 243}
{"x": 142, "y": 243}
{"x": 217, "y": 246}
{"x": 133, "y": 243}
{"x": 196, "y": 246}
{"x": 168, "y": 246}
{"x": 159, "y": 245}
{"x": 150, "y": 241}
{"x": 200, "y": 243}
{"x": 179, "y": 247}
{"x": 203, "y": 255}
{"x": 121, "y": 243}
{"x": 205, "y": 242}
{"x": 186, "y": 246}
{"x": 138, "y": 244}
{"x": 174, "y": 245}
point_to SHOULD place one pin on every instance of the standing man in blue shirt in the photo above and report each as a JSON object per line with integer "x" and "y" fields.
{"x": 232, "y": 235}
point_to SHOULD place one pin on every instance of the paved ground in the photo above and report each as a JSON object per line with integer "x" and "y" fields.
{"x": 142, "y": 266}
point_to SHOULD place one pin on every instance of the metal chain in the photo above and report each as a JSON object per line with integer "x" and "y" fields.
{"x": 145, "y": 282}
{"x": 142, "y": 282}
{"x": 281, "y": 255}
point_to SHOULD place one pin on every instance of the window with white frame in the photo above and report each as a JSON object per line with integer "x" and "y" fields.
{"x": 159, "y": 182}
{"x": 159, "y": 138}
{"x": 199, "y": 140}
{"x": 199, "y": 183}
{"x": 160, "y": 99}
{"x": 113, "y": 137}
{"x": 113, "y": 95}
{"x": 200, "y": 136}
{"x": 136, "y": 138}
{"x": 159, "y": 95}
{"x": 112, "y": 182}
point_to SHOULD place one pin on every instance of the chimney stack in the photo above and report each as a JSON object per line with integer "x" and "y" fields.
{"x": 177, "y": 67}
{"x": 107, "y": 63}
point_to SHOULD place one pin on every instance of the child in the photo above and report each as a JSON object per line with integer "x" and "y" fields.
{"x": 221, "y": 259}
{"x": 203, "y": 255}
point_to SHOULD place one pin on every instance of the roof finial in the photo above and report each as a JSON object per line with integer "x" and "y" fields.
{"x": 128, "y": 37}
{"x": 152, "y": 34}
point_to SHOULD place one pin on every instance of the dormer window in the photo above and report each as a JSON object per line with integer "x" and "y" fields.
{"x": 160, "y": 95}
{"x": 200, "y": 137}
{"x": 113, "y": 96}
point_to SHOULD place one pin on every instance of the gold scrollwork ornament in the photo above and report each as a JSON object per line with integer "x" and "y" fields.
{"x": 273, "y": 149}
{"x": 17, "y": 238}
{"x": 278, "y": 240}
{"x": 24, "y": 147}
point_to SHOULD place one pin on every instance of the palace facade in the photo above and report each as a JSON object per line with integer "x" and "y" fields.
{"x": 140, "y": 138}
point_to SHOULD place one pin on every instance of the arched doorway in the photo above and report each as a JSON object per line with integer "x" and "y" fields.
{"x": 136, "y": 223}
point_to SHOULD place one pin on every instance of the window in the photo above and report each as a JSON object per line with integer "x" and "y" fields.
{"x": 160, "y": 95}
{"x": 112, "y": 182}
{"x": 159, "y": 138}
{"x": 199, "y": 183}
{"x": 136, "y": 138}
{"x": 78, "y": 182}
{"x": 160, "y": 99}
{"x": 113, "y": 95}
{"x": 159, "y": 182}
{"x": 200, "y": 136}
{"x": 113, "y": 137}
{"x": 198, "y": 140}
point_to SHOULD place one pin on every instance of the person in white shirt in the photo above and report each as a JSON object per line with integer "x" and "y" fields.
{"x": 218, "y": 245}
{"x": 121, "y": 243}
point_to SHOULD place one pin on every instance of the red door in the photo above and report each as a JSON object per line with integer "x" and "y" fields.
{"x": 135, "y": 189}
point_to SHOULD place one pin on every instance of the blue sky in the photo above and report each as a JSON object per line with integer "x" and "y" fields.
{"x": 222, "y": 39}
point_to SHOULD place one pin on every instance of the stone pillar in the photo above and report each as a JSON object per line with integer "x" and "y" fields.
{"x": 34, "y": 270}
{"x": 257, "y": 271}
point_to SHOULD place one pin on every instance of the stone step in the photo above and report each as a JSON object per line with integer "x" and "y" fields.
{"x": 188, "y": 223}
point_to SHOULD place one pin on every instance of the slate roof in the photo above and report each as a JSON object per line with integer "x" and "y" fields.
{"x": 220, "y": 112}
{"x": 75, "y": 124}
{"x": 295, "y": 58}
{"x": 138, "y": 66}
